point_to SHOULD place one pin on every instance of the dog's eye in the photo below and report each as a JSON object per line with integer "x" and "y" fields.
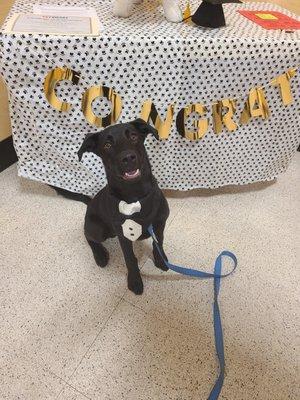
{"x": 133, "y": 136}
{"x": 107, "y": 146}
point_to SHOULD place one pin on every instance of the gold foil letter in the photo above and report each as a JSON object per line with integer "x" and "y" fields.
{"x": 101, "y": 91}
{"x": 256, "y": 106}
{"x": 283, "y": 81}
{"x": 201, "y": 125}
{"x": 54, "y": 76}
{"x": 219, "y": 119}
{"x": 187, "y": 12}
{"x": 163, "y": 127}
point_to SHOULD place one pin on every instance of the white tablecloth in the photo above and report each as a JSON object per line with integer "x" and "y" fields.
{"x": 146, "y": 57}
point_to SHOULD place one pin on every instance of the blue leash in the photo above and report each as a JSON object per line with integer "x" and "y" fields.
{"x": 217, "y": 275}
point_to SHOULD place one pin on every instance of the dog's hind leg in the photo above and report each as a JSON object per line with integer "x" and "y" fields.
{"x": 100, "y": 253}
{"x": 96, "y": 232}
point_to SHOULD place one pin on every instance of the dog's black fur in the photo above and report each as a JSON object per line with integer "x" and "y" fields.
{"x": 122, "y": 150}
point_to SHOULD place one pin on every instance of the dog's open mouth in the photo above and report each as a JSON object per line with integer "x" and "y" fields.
{"x": 132, "y": 174}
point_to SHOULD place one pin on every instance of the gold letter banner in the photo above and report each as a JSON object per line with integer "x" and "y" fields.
{"x": 283, "y": 81}
{"x": 163, "y": 127}
{"x": 223, "y": 110}
{"x": 219, "y": 119}
{"x": 201, "y": 125}
{"x": 54, "y": 76}
{"x": 101, "y": 91}
{"x": 256, "y": 106}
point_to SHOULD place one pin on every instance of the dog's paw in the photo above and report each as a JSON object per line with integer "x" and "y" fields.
{"x": 135, "y": 284}
{"x": 159, "y": 262}
{"x": 102, "y": 258}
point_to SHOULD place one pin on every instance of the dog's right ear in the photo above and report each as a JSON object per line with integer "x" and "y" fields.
{"x": 90, "y": 144}
{"x": 144, "y": 128}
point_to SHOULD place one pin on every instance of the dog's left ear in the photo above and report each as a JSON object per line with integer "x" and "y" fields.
{"x": 144, "y": 128}
{"x": 90, "y": 144}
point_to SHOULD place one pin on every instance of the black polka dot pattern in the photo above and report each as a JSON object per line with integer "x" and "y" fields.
{"x": 146, "y": 57}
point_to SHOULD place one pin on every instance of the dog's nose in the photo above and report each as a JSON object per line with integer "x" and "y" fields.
{"x": 129, "y": 159}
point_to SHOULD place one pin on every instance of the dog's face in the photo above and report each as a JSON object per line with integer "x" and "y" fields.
{"x": 122, "y": 150}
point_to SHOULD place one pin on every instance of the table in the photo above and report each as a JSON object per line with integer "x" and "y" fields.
{"x": 145, "y": 57}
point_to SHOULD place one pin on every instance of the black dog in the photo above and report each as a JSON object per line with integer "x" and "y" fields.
{"x": 130, "y": 202}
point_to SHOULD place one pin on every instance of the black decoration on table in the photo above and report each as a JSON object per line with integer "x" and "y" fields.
{"x": 210, "y": 13}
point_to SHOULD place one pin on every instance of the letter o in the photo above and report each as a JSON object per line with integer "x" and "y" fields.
{"x": 101, "y": 91}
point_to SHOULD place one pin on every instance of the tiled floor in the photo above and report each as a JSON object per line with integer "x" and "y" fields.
{"x": 71, "y": 331}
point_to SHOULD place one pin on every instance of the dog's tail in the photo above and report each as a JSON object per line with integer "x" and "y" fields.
{"x": 71, "y": 195}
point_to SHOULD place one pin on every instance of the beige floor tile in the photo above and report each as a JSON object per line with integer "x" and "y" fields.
{"x": 261, "y": 324}
{"x": 207, "y": 224}
{"x": 21, "y": 378}
{"x": 54, "y": 299}
{"x": 180, "y": 300}
{"x": 55, "y": 302}
{"x": 258, "y": 302}
{"x": 68, "y": 393}
{"x": 58, "y": 306}
{"x": 139, "y": 357}
{"x": 57, "y": 331}
{"x": 176, "y": 201}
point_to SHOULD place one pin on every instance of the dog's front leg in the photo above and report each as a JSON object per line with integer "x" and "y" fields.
{"x": 134, "y": 279}
{"x": 158, "y": 228}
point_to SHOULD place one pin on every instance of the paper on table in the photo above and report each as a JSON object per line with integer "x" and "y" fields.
{"x": 271, "y": 19}
{"x": 67, "y": 11}
{"x": 59, "y": 25}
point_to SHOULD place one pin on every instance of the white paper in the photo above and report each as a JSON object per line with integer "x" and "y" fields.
{"x": 67, "y": 11}
{"x": 52, "y": 24}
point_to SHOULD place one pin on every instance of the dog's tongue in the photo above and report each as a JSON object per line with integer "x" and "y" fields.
{"x": 132, "y": 174}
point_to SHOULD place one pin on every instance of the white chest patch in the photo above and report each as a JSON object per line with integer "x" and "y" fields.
{"x": 131, "y": 229}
